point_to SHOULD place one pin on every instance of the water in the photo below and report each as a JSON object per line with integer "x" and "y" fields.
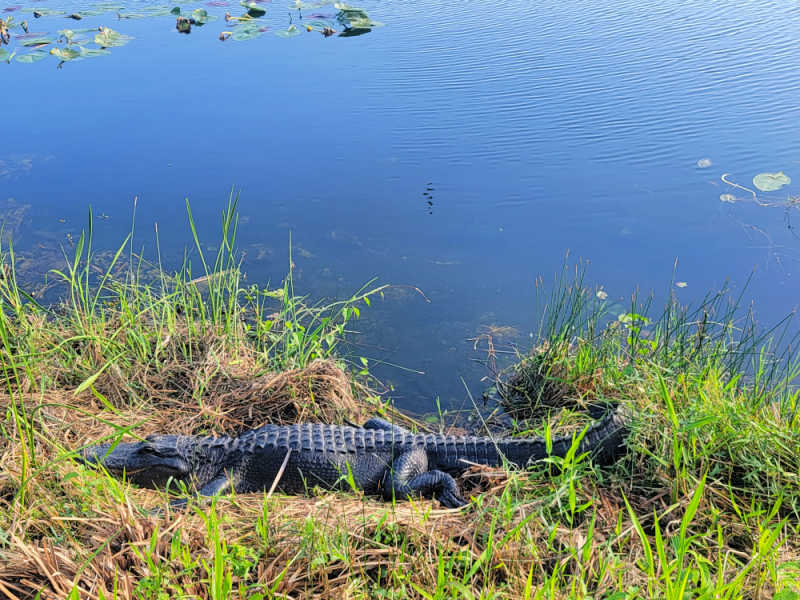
{"x": 541, "y": 129}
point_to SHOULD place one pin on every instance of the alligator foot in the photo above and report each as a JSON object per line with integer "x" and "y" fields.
{"x": 409, "y": 476}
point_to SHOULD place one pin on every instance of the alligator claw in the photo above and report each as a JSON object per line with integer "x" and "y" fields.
{"x": 450, "y": 500}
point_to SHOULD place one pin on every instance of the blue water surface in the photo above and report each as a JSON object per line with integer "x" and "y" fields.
{"x": 536, "y": 129}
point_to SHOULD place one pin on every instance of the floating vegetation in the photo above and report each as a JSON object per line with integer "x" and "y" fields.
{"x": 92, "y": 52}
{"x": 355, "y": 20}
{"x": 5, "y": 37}
{"x": 32, "y": 57}
{"x": 704, "y": 163}
{"x": 101, "y": 8}
{"x": 37, "y": 41}
{"x": 298, "y": 5}
{"x": 199, "y": 17}
{"x": 254, "y": 9}
{"x": 77, "y": 36}
{"x": 65, "y": 53}
{"x": 770, "y": 182}
{"x": 108, "y": 38}
{"x": 765, "y": 182}
{"x": 291, "y": 31}
{"x": 75, "y": 44}
{"x": 146, "y": 13}
{"x": 247, "y": 31}
{"x": 46, "y": 12}
{"x": 184, "y": 25}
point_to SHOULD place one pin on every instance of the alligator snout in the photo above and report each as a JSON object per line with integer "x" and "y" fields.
{"x": 151, "y": 463}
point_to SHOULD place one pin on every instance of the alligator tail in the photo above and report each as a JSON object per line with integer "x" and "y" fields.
{"x": 604, "y": 440}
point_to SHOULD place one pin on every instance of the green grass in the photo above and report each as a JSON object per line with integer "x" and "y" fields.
{"x": 705, "y": 505}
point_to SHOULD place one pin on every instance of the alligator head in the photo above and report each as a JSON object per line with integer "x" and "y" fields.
{"x": 151, "y": 463}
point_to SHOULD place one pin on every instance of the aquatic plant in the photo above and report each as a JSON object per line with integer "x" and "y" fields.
{"x": 88, "y": 42}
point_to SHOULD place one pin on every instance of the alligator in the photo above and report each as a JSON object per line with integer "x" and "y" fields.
{"x": 379, "y": 458}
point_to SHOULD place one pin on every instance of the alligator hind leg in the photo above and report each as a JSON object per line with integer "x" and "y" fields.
{"x": 409, "y": 476}
{"x": 440, "y": 484}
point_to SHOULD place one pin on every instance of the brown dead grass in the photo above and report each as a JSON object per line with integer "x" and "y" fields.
{"x": 205, "y": 375}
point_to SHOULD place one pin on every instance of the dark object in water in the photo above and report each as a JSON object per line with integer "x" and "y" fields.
{"x": 184, "y": 25}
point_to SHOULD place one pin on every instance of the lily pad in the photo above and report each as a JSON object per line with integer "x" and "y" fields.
{"x": 39, "y": 41}
{"x": 144, "y": 13}
{"x": 246, "y": 32}
{"x": 30, "y": 35}
{"x": 704, "y": 163}
{"x": 253, "y": 9}
{"x": 32, "y": 57}
{"x": 45, "y": 12}
{"x": 65, "y": 53}
{"x": 769, "y": 182}
{"x": 200, "y": 16}
{"x": 108, "y": 38}
{"x": 299, "y": 5}
{"x": 73, "y": 35}
{"x": 93, "y": 52}
{"x": 101, "y": 8}
{"x": 356, "y": 20}
{"x": 291, "y": 31}
{"x": 4, "y": 55}
{"x": 729, "y": 198}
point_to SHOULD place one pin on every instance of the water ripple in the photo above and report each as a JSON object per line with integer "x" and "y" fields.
{"x": 630, "y": 83}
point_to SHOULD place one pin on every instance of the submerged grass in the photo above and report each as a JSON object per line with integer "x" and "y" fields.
{"x": 705, "y": 505}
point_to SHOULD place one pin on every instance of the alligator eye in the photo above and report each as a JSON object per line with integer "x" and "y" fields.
{"x": 147, "y": 450}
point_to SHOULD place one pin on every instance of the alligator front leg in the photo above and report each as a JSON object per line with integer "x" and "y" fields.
{"x": 409, "y": 476}
{"x": 217, "y": 486}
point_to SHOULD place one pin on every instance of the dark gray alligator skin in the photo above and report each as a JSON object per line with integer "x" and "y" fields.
{"x": 379, "y": 458}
